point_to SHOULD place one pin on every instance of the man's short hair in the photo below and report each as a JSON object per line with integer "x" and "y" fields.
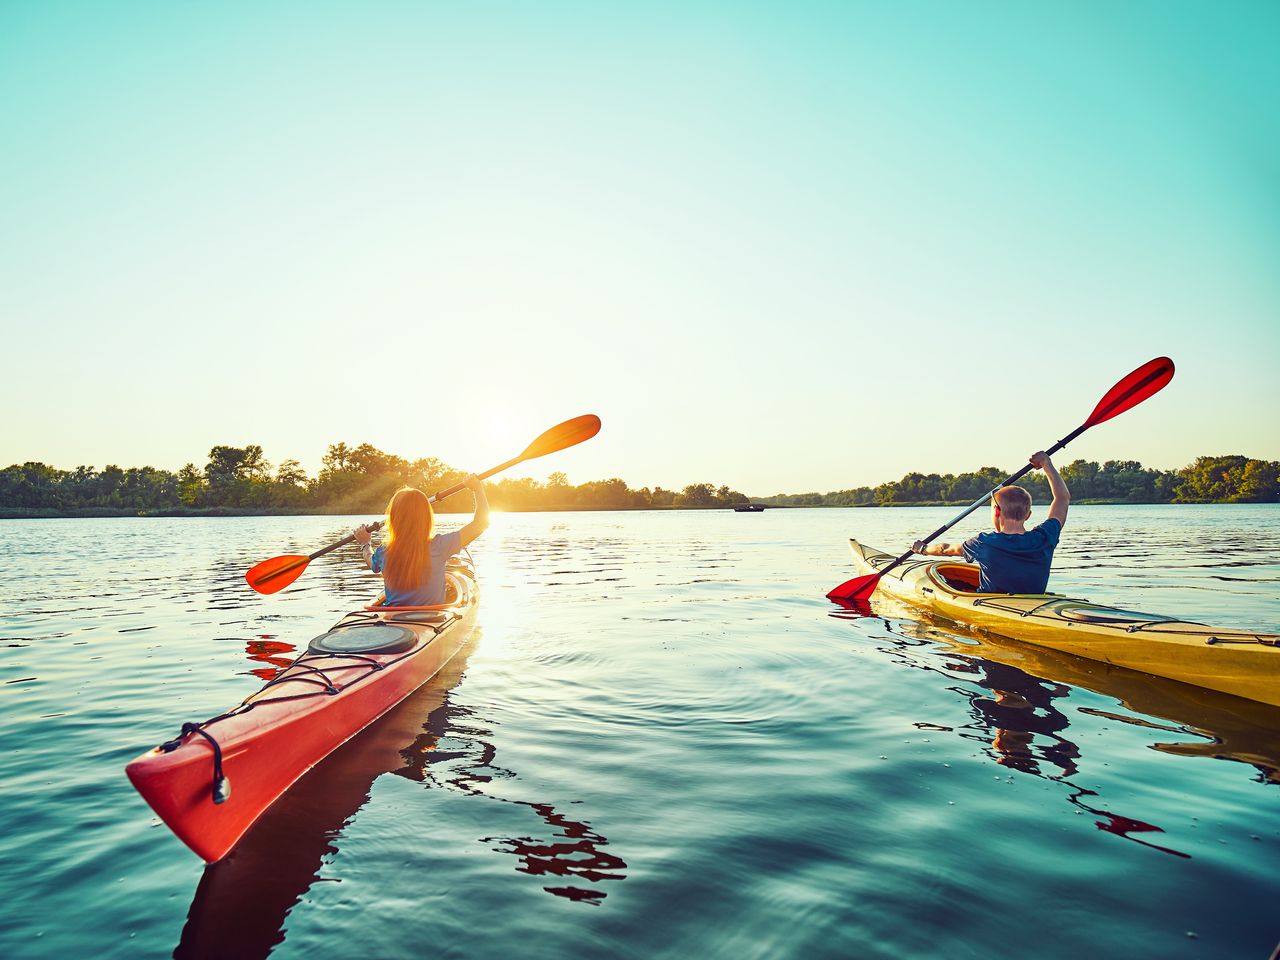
{"x": 1015, "y": 502}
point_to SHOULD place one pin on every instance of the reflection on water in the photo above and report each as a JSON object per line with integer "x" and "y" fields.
{"x": 1019, "y": 718}
{"x": 658, "y": 696}
{"x": 463, "y": 757}
{"x": 1020, "y": 725}
{"x": 273, "y": 652}
{"x": 242, "y": 903}
{"x": 1122, "y": 826}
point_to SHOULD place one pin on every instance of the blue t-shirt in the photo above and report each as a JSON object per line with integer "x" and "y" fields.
{"x": 431, "y": 593}
{"x": 1014, "y": 562}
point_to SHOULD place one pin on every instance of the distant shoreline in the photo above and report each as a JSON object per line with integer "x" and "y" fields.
{"x": 240, "y": 482}
{"x": 109, "y": 513}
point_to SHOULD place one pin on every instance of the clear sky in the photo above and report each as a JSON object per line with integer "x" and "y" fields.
{"x": 783, "y": 246}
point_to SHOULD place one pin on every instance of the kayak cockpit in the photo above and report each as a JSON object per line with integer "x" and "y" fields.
{"x": 957, "y": 577}
{"x": 458, "y": 592}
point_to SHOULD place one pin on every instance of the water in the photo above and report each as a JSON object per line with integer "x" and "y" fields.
{"x": 662, "y": 742}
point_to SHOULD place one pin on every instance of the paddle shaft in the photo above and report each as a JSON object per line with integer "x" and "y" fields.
{"x": 377, "y": 524}
{"x": 1143, "y": 383}
{"x": 985, "y": 497}
{"x": 279, "y": 572}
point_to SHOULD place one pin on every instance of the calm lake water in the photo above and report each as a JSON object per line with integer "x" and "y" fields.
{"x": 662, "y": 742}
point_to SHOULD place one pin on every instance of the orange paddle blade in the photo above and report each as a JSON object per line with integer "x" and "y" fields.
{"x": 1148, "y": 379}
{"x": 563, "y": 435}
{"x": 277, "y": 573}
{"x": 857, "y": 590}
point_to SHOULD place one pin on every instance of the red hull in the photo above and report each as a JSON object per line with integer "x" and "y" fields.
{"x": 292, "y": 724}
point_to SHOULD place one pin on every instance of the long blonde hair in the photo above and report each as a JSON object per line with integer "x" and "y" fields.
{"x": 407, "y": 562}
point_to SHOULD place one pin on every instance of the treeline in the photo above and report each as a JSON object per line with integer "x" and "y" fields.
{"x": 355, "y": 480}
{"x": 1226, "y": 479}
{"x": 351, "y": 480}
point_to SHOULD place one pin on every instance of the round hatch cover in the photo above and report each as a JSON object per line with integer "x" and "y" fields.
{"x": 1108, "y": 615}
{"x": 382, "y": 638}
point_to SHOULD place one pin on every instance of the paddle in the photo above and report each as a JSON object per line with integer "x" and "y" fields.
{"x": 1146, "y": 381}
{"x": 277, "y": 573}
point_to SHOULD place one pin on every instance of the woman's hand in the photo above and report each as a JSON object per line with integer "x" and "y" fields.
{"x": 480, "y": 522}
{"x": 362, "y": 534}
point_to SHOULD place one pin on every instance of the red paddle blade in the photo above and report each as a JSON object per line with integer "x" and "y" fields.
{"x": 859, "y": 589}
{"x": 1147, "y": 380}
{"x": 563, "y": 435}
{"x": 271, "y": 576}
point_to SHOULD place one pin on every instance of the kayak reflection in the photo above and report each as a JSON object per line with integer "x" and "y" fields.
{"x": 575, "y": 855}
{"x": 242, "y": 902}
{"x": 1016, "y": 716}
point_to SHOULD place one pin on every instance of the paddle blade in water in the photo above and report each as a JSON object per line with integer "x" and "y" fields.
{"x": 1147, "y": 380}
{"x": 857, "y": 590}
{"x": 563, "y": 435}
{"x": 853, "y": 609}
{"x": 277, "y": 573}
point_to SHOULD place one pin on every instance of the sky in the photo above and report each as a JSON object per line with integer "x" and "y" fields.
{"x": 780, "y": 246}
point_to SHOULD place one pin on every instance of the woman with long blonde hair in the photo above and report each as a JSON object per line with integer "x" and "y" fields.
{"x": 412, "y": 561}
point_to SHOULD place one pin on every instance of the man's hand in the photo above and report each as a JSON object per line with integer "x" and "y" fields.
{"x": 1057, "y": 486}
{"x": 473, "y": 483}
{"x": 938, "y": 549}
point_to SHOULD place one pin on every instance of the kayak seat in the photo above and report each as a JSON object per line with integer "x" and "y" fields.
{"x": 959, "y": 576}
{"x": 450, "y": 598}
{"x": 380, "y": 638}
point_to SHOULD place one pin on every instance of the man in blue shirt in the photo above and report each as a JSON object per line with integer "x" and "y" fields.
{"x": 1011, "y": 558}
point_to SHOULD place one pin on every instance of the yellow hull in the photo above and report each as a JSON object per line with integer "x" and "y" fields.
{"x": 1232, "y": 661}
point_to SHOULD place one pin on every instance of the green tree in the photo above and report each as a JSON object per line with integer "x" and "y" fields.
{"x": 1081, "y": 479}
{"x": 191, "y": 485}
{"x": 1210, "y": 479}
{"x": 1259, "y": 482}
{"x": 427, "y": 473}
{"x": 697, "y": 495}
{"x": 337, "y": 458}
{"x": 31, "y": 485}
{"x": 289, "y": 488}
{"x": 238, "y": 476}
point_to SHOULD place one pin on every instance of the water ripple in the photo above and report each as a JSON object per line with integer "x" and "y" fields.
{"x": 661, "y": 742}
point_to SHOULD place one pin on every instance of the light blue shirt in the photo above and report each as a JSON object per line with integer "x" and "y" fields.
{"x": 430, "y": 593}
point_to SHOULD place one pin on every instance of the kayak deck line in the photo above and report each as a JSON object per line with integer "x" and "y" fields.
{"x": 307, "y": 672}
{"x": 364, "y": 665}
{"x": 1133, "y": 623}
{"x": 1130, "y": 626}
{"x": 1243, "y": 663}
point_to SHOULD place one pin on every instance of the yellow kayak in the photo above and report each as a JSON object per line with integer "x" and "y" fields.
{"x": 1238, "y": 662}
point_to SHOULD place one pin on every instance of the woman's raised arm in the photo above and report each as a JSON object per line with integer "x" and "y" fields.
{"x": 480, "y": 522}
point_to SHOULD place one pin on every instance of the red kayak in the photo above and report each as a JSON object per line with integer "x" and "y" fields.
{"x": 216, "y": 778}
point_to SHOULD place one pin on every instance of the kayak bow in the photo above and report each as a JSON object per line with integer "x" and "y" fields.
{"x": 216, "y": 778}
{"x": 1238, "y": 662}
